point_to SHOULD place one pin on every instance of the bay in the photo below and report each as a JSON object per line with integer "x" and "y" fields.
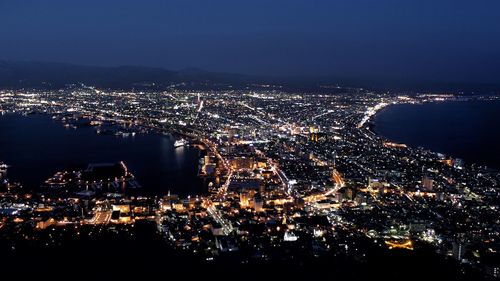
{"x": 465, "y": 129}
{"x": 36, "y": 147}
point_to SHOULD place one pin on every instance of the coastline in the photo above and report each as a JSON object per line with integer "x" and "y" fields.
{"x": 370, "y": 123}
{"x": 131, "y": 150}
{"x": 450, "y": 146}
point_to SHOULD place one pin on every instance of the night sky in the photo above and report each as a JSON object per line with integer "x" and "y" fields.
{"x": 438, "y": 40}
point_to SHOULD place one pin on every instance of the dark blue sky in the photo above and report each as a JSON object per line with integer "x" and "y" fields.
{"x": 441, "y": 40}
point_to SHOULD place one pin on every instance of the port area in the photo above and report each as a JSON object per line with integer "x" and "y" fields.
{"x": 93, "y": 178}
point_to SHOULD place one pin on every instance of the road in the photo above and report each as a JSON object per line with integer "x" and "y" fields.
{"x": 101, "y": 217}
{"x": 227, "y": 228}
{"x": 339, "y": 183}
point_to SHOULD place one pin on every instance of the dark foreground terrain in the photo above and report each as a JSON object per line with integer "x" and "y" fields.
{"x": 141, "y": 253}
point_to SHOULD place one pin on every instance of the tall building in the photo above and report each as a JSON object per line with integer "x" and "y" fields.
{"x": 458, "y": 250}
{"x": 244, "y": 200}
{"x": 258, "y": 203}
{"x": 427, "y": 183}
{"x": 458, "y": 163}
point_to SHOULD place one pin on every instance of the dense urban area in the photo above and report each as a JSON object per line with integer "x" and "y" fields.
{"x": 292, "y": 176}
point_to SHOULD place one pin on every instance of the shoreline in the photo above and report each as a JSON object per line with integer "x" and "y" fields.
{"x": 89, "y": 131}
{"x": 371, "y": 123}
{"x": 371, "y": 127}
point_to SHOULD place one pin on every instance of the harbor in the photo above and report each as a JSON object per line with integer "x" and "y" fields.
{"x": 152, "y": 157}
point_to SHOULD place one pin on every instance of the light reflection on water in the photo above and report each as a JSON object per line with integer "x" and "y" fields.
{"x": 37, "y": 146}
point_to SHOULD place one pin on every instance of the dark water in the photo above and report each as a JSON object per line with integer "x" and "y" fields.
{"x": 468, "y": 130}
{"x": 36, "y": 147}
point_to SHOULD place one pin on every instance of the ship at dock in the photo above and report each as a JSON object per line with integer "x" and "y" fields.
{"x": 180, "y": 143}
{"x": 3, "y": 169}
{"x": 3, "y": 166}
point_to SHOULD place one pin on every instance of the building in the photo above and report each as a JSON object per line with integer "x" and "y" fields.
{"x": 427, "y": 183}
{"x": 258, "y": 204}
{"x": 458, "y": 250}
{"x": 242, "y": 162}
{"x": 244, "y": 200}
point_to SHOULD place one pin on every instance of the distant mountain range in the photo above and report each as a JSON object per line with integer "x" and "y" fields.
{"x": 23, "y": 74}
{"x": 46, "y": 74}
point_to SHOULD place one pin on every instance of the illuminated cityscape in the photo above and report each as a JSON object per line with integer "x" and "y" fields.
{"x": 250, "y": 140}
{"x": 291, "y": 175}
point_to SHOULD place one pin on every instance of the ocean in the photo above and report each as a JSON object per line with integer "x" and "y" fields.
{"x": 462, "y": 129}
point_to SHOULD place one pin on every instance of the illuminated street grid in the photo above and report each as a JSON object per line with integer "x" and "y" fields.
{"x": 293, "y": 173}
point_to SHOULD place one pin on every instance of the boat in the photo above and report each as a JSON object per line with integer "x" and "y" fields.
{"x": 180, "y": 142}
{"x": 124, "y": 134}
